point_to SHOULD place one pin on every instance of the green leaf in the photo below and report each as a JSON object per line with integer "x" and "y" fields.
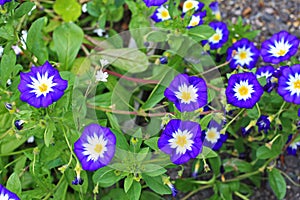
{"x": 35, "y": 42}
{"x": 277, "y": 183}
{"x": 8, "y": 67}
{"x": 106, "y": 177}
{"x": 156, "y": 184}
{"x": 207, "y": 153}
{"x": 67, "y": 41}
{"x": 252, "y": 113}
{"x": 61, "y": 191}
{"x": 152, "y": 143}
{"x": 14, "y": 184}
{"x": 115, "y": 194}
{"x": 69, "y": 10}
{"x": 131, "y": 60}
{"x": 157, "y": 36}
{"x": 127, "y": 183}
{"x": 202, "y": 32}
{"x": 146, "y": 195}
{"x": 153, "y": 170}
{"x": 23, "y": 9}
{"x": 49, "y": 133}
{"x": 135, "y": 191}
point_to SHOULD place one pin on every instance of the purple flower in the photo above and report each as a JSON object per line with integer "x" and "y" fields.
{"x": 280, "y": 47}
{"x": 19, "y": 124}
{"x": 246, "y": 54}
{"x": 265, "y": 71}
{"x": 212, "y": 137}
{"x": 197, "y": 19}
{"x": 292, "y": 148}
{"x": 96, "y": 147}
{"x": 188, "y": 93}
{"x": 214, "y": 6}
{"x": 243, "y": 90}
{"x": 182, "y": 140}
{"x": 2, "y": 2}
{"x": 220, "y": 37}
{"x": 41, "y": 86}
{"x": 277, "y": 73}
{"x": 264, "y": 123}
{"x": 5, "y": 194}
{"x": 150, "y": 3}
{"x": 161, "y": 14}
{"x": 77, "y": 181}
{"x": 192, "y": 4}
{"x": 289, "y": 84}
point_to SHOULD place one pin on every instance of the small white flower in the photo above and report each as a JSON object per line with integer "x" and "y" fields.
{"x": 1, "y": 51}
{"x": 99, "y": 32}
{"x": 17, "y": 49}
{"x": 84, "y": 8}
{"x": 30, "y": 139}
{"x": 33, "y": 8}
{"x": 104, "y": 62}
{"x": 23, "y": 38}
{"x": 101, "y": 76}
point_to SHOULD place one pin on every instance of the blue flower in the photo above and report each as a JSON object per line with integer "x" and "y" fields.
{"x": 181, "y": 140}
{"x": 280, "y": 47}
{"x": 161, "y": 14}
{"x": 264, "y": 123}
{"x": 188, "y": 93}
{"x": 192, "y": 4}
{"x": 289, "y": 84}
{"x": 42, "y": 86}
{"x": 246, "y": 54}
{"x": 243, "y": 90}
{"x": 265, "y": 71}
{"x": 19, "y": 124}
{"x": 197, "y": 19}
{"x": 150, "y": 3}
{"x": 212, "y": 137}
{"x": 5, "y": 194}
{"x": 293, "y": 146}
{"x": 214, "y": 6}
{"x": 2, "y": 2}
{"x": 220, "y": 37}
{"x": 96, "y": 147}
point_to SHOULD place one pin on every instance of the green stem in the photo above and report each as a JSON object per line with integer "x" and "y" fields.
{"x": 241, "y": 196}
{"x": 232, "y": 120}
{"x": 195, "y": 191}
{"x": 16, "y": 152}
{"x": 52, "y": 191}
{"x": 289, "y": 178}
{"x": 257, "y": 106}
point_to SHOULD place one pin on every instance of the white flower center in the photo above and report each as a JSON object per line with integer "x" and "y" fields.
{"x": 188, "y": 5}
{"x": 163, "y": 13}
{"x": 101, "y": 76}
{"x": 42, "y": 85}
{"x": 243, "y": 90}
{"x": 212, "y": 135}
{"x": 187, "y": 94}
{"x": 181, "y": 141}
{"x": 280, "y": 48}
{"x": 95, "y": 147}
{"x": 294, "y": 84}
{"x": 243, "y": 56}
{"x": 216, "y": 37}
{"x": 194, "y": 21}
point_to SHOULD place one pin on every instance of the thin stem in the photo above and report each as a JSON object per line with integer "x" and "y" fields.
{"x": 289, "y": 178}
{"x": 137, "y": 80}
{"x": 232, "y": 120}
{"x": 195, "y": 191}
{"x": 124, "y": 112}
{"x": 241, "y": 196}
{"x": 259, "y": 113}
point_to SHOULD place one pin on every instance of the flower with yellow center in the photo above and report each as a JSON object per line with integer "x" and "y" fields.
{"x": 212, "y": 135}
{"x": 280, "y": 48}
{"x": 294, "y": 84}
{"x": 181, "y": 141}
{"x": 243, "y": 90}
{"x": 42, "y": 85}
{"x": 187, "y": 94}
{"x": 95, "y": 147}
